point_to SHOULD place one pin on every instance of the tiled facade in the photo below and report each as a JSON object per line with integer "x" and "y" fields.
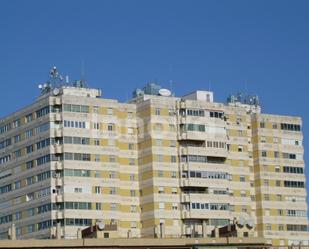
{"x": 157, "y": 166}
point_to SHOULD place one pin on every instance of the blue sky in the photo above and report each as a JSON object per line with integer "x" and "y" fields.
{"x": 261, "y": 47}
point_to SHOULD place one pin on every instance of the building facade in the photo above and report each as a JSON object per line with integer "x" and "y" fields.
{"x": 158, "y": 166}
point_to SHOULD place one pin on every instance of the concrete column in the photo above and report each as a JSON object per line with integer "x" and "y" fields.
{"x": 79, "y": 233}
{"x": 204, "y": 226}
{"x": 58, "y": 231}
{"x": 162, "y": 230}
{"x": 217, "y": 232}
{"x": 129, "y": 234}
{"x": 12, "y": 232}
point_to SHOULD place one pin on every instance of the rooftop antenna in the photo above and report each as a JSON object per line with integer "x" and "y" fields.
{"x": 83, "y": 78}
{"x": 171, "y": 86}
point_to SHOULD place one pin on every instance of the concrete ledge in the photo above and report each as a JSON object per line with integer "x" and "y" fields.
{"x": 144, "y": 242}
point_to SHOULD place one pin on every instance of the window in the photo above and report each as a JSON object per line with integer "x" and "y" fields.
{"x": 111, "y": 142}
{"x": 132, "y": 177}
{"x": 242, "y": 178}
{"x": 17, "y": 185}
{"x": 160, "y": 173}
{"x": 263, "y": 139}
{"x": 97, "y": 189}
{"x": 294, "y": 184}
{"x": 112, "y": 159}
{"x": 130, "y": 131}
{"x": 133, "y": 224}
{"x": 174, "y": 174}
{"x": 290, "y": 127}
{"x": 160, "y": 158}
{"x": 98, "y": 206}
{"x": 110, "y": 127}
{"x": 96, "y": 142}
{"x": 112, "y": 191}
{"x": 78, "y": 190}
{"x": 113, "y": 206}
{"x": 131, "y": 146}
{"x": 97, "y": 158}
{"x": 96, "y": 126}
{"x": 278, "y": 183}
{"x": 158, "y": 142}
{"x": 131, "y": 161}
{"x": 158, "y": 111}
{"x": 30, "y": 211}
{"x": 110, "y": 111}
{"x": 170, "y": 112}
{"x": 266, "y": 183}
{"x": 133, "y": 208}
{"x": 281, "y": 227}
{"x": 276, "y": 154}
{"x": 268, "y": 227}
{"x": 266, "y": 197}
{"x": 112, "y": 174}
{"x": 18, "y": 216}
{"x": 161, "y": 205}
{"x": 275, "y": 126}
{"x": 240, "y": 148}
{"x": 161, "y": 190}
{"x": 173, "y": 143}
{"x": 262, "y": 125}
{"x": 173, "y": 159}
{"x": 264, "y": 153}
{"x": 97, "y": 174}
{"x": 95, "y": 109}
{"x": 175, "y": 206}
{"x": 132, "y": 192}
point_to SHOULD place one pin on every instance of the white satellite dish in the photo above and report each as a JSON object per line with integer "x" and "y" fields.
{"x": 56, "y": 91}
{"x": 250, "y": 222}
{"x": 241, "y": 221}
{"x": 101, "y": 226}
{"x": 40, "y": 86}
{"x": 165, "y": 92}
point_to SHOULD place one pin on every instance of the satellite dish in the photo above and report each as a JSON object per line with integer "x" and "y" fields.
{"x": 241, "y": 221}
{"x": 250, "y": 222}
{"x": 40, "y": 86}
{"x": 45, "y": 85}
{"x": 56, "y": 91}
{"x": 165, "y": 92}
{"x": 101, "y": 226}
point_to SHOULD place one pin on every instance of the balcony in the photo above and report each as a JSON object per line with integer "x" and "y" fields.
{"x": 191, "y": 135}
{"x": 184, "y": 166}
{"x": 59, "y": 215}
{"x": 59, "y": 198}
{"x": 57, "y": 101}
{"x": 185, "y": 197}
{"x": 184, "y": 183}
{"x": 58, "y": 181}
{"x": 57, "y": 117}
{"x": 185, "y": 214}
{"x": 58, "y": 133}
{"x": 58, "y": 165}
{"x": 58, "y": 149}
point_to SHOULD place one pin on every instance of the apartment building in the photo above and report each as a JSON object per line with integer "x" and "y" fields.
{"x": 158, "y": 166}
